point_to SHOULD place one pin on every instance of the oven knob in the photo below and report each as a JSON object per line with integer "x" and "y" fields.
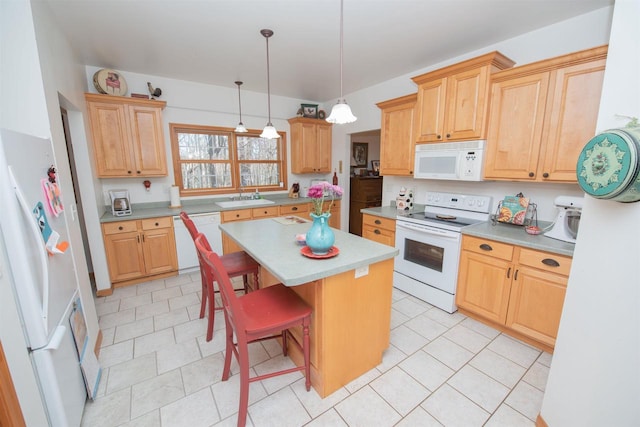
{"x": 471, "y": 202}
{"x": 480, "y": 203}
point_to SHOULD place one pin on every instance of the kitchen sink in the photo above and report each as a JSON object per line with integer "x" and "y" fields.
{"x": 244, "y": 203}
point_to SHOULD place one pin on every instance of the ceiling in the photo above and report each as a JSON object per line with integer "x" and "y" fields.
{"x": 218, "y": 41}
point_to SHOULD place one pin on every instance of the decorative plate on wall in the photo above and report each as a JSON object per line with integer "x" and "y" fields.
{"x": 609, "y": 165}
{"x": 110, "y": 82}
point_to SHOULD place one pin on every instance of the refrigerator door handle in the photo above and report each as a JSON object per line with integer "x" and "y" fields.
{"x": 35, "y": 232}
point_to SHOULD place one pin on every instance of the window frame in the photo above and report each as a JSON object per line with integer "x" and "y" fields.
{"x": 175, "y": 128}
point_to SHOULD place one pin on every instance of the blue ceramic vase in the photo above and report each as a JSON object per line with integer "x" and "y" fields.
{"x": 320, "y": 236}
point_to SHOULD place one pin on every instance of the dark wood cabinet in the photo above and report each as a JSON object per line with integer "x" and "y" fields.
{"x": 366, "y": 192}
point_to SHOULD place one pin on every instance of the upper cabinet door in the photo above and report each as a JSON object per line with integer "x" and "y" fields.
{"x": 467, "y": 94}
{"x": 397, "y": 147}
{"x": 112, "y": 148}
{"x": 573, "y": 113}
{"x": 149, "y": 149}
{"x": 429, "y": 120}
{"x": 515, "y": 127}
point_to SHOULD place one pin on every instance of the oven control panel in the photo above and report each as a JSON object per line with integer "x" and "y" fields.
{"x": 465, "y": 202}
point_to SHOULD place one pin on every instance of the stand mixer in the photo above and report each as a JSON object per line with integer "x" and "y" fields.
{"x": 565, "y": 227}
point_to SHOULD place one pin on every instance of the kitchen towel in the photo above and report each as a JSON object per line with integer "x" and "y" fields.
{"x": 175, "y": 196}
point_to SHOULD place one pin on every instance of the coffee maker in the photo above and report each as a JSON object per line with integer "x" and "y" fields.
{"x": 565, "y": 227}
{"x": 120, "y": 205}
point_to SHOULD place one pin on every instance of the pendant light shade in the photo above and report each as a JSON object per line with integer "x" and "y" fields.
{"x": 341, "y": 112}
{"x": 269, "y": 132}
{"x": 240, "y": 128}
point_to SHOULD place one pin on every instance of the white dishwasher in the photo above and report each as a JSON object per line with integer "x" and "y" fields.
{"x": 206, "y": 224}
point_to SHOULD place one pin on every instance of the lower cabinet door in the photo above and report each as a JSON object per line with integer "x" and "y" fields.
{"x": 124, "y": 256}
{"x": 535, "y": 305}
{"x": 484, "y": 284}
{"x": 159, "y": 249}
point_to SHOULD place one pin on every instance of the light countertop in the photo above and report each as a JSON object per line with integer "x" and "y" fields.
{"x": 273, "y": 245}
{"x": 506, "y": 233}
{"x": 200, "y": 206}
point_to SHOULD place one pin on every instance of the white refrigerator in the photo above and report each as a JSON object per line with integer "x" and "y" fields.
{"x": 41, "y": 271}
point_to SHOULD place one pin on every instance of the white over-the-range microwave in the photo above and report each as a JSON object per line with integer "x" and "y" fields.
{"x": 454, "y": 161}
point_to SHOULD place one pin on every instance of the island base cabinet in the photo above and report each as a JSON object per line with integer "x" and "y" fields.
{"x": 350, "y": 325}
{"x": 517, "y": 290}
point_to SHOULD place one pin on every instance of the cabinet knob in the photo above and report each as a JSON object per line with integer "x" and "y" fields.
{"x": 486, "y": 247}
{"x": 545, "y": 175}
{"x": 448, "y": 135}
{"x": 377, "y": 221}
{"x": 265, "y": 212}
{"x": 439, "y": 136}
{"x": 515, "y": 276}
{"x": 129, "y": 172}
{"x": 138, "y": 172}
{"x": 551, "y": 262}
{"x": 295, "y": 208}
{"x": 157, "y": 224}
{"x": 121, "y": 228}
{"x": 376, "y": 231}
{"x": 237, "y": 215}
{"x": 509, "y": 273}
{"x": 531, "y": 174}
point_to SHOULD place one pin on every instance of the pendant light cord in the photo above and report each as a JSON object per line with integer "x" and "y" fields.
{"x": 341, "y": 42}
{"x": 268, "y": 81}
{"x": 239, "y": 102}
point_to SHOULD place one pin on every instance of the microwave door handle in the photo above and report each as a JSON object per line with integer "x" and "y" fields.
{"x": 427, "y": 230}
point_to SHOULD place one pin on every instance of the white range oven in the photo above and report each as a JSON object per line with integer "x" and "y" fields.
{"x": 429, "y": 245}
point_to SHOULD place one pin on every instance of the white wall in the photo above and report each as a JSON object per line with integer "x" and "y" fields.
{"x": 595, "y": 373}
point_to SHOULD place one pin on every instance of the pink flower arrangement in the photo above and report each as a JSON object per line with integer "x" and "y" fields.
{"x": 317, "y": 194}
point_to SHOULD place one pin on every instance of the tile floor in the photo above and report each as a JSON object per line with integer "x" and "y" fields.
{"x": 440, "y": 369}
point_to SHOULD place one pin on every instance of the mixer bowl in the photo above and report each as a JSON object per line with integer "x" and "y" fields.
{"x": 573, "y": 222}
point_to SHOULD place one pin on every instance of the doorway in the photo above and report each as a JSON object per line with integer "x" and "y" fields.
{"x": 76, "y": 189}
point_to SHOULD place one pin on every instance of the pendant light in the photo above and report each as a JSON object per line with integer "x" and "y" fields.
{"x": 240, "y": 128}
{"x": 269, "y": 132}
{"x": 341, "y": 112}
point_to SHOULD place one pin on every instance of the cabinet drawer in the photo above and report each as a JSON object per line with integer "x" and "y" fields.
{"x": 240, "y": 215}
{"x": 294, "y": 209}
{"x": 380, "y": 235}
{"x": 264, "y": 212}
{"x": 119, "y": 227}
{"x": 153, "y": 223}
{"x": 379, "y": 222}
{"x": 545, "y": 261}
{"x": 488, "y": 247}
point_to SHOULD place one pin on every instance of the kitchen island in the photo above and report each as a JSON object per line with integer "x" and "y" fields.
{"x": 350, "y": 295}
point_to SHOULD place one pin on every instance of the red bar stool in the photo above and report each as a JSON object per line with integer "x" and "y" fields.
{"x": 236, "y": 264}
{"x": 264, "y": 314}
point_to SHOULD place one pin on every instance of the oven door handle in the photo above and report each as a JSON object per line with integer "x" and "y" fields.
{"x": 428, "y": 230}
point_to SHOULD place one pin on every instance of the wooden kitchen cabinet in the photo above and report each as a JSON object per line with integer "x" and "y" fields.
{"x": 452, "y": 102}
{"x": 310, "y": 145}
{"x": 139, "y": 249}
{"x": 127, "y": 135}
{"x": 379, "y": 229}
{"x": 541, "y": 116}
{"x": 518, "y": 290}
{"x": 397, "y": 146}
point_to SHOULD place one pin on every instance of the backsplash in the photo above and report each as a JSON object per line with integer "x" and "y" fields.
{"x": 540, "y": 193}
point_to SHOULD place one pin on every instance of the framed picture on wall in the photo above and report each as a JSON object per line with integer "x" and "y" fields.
{"x": 360, "y": 154}
{"x": 375, "y": 165}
